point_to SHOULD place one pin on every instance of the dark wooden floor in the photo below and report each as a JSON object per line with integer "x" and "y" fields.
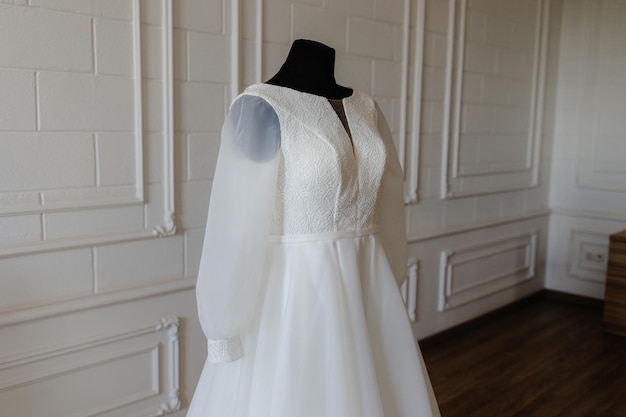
{"x": 547, "y": 357}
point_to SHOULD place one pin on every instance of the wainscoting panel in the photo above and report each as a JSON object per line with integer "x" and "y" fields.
{"x": 127, "y": 374}
{"x": 472, "y": 272}
{"x": 494, "y": 91}
{"x": 106, "y": 114}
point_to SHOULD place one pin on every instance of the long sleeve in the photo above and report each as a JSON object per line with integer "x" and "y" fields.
{"x": 238, "y": 223}
{"x": 392, "y": 218}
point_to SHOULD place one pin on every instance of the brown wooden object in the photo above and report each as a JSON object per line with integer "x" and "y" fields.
{"x": 615, "y": 293}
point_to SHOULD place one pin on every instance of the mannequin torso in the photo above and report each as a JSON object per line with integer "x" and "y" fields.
{"x": 310, "y": 67}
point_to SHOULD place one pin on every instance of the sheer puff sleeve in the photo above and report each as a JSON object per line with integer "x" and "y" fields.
{"x": 238, "y": 223}
{"x": 392, "y": 219}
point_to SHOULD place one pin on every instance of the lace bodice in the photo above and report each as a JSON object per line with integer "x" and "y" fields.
{"x": 326, "y": 181}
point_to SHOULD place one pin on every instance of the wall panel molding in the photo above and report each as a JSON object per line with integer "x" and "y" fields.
{"x": 455, "y": 180}
{"x": 132, "y": 373}
{"x": 595, "y": 172}
{"x": 404, "y": 85}
{"x": 422, "y": 237}
{"x": 235, "y": 49}
{"x": 63, "y": 199}
{"x": 413, "y": 142}
{"x": 473, "y": 272}
{"x": 598, "y": 215}
{"x": 168, "y": 227}
{"x": 94, "y": 301}
{"x": 409, "y": 289}
{"x": 409, "y": 146}
{"x": 236, "y": 20}
{"x": 588, "y": 177}
{"x": 90, "y": 201}
{"x": 258, "y": 47}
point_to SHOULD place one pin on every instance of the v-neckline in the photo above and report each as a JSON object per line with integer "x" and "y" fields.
{"x": 347, "y": 130}
{"x": 338, "y": 106}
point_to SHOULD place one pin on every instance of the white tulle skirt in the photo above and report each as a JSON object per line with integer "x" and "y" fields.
{"x": 332, "y": 339}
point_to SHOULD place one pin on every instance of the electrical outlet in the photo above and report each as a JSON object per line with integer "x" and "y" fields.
{"x": 594, "y": 256}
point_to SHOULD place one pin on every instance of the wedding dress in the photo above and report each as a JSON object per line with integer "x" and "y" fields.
{"x": 304, "y": 251}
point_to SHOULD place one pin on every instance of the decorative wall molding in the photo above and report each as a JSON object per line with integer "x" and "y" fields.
{"x": 589, "y": 252}
{"x": 503, "y": 264}
{"x": 587, "y": 177}
{"x": 235, "y": 49}
{"x": 422, "y": 237}
{"x": 71, "y": 199}
{"x": 150, "y": 389}
{"x": 541, "y": 64}
{"x": 172, "y": 286}
{"x": 454, "y": 182}
{"x": 598, "y": 215}
{"x": 90, "y": 201}
{"x": 411, "y": 169}
{"x": 138, "y": 87}
{"x": 404, "y": 85}
{"x": 258, "y": 47}
{"x": 409, "y": 289}
{"x": 168, "y": 227}
{"x": 590, "y": 174}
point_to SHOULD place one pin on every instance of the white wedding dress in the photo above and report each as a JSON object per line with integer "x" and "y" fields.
{"x": 304, "y": 251}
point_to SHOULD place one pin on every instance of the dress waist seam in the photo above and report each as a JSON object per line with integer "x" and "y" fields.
{"x": 313, "y": 237}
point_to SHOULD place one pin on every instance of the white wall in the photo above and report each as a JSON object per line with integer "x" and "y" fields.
{"x": 481, "y": 216}
{"x": 588, "y": 193}
{"x": 108, "y": 139}
{"x": 109, "y": 121}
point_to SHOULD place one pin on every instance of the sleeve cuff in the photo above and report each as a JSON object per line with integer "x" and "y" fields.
{"x": 224, "y": 350}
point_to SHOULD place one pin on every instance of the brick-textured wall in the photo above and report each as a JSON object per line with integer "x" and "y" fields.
{"x": 66, "y": 114}
{"x": 494, "y": 137}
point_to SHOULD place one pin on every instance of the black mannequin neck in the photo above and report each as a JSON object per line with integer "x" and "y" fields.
{"x": 310, "y": 68}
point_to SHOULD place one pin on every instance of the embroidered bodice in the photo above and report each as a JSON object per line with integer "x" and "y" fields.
{"x": 327, "y": 182}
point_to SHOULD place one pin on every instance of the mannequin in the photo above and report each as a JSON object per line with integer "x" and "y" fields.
{"x": 309, "y": 67}
{"x": 304, "y": 250}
